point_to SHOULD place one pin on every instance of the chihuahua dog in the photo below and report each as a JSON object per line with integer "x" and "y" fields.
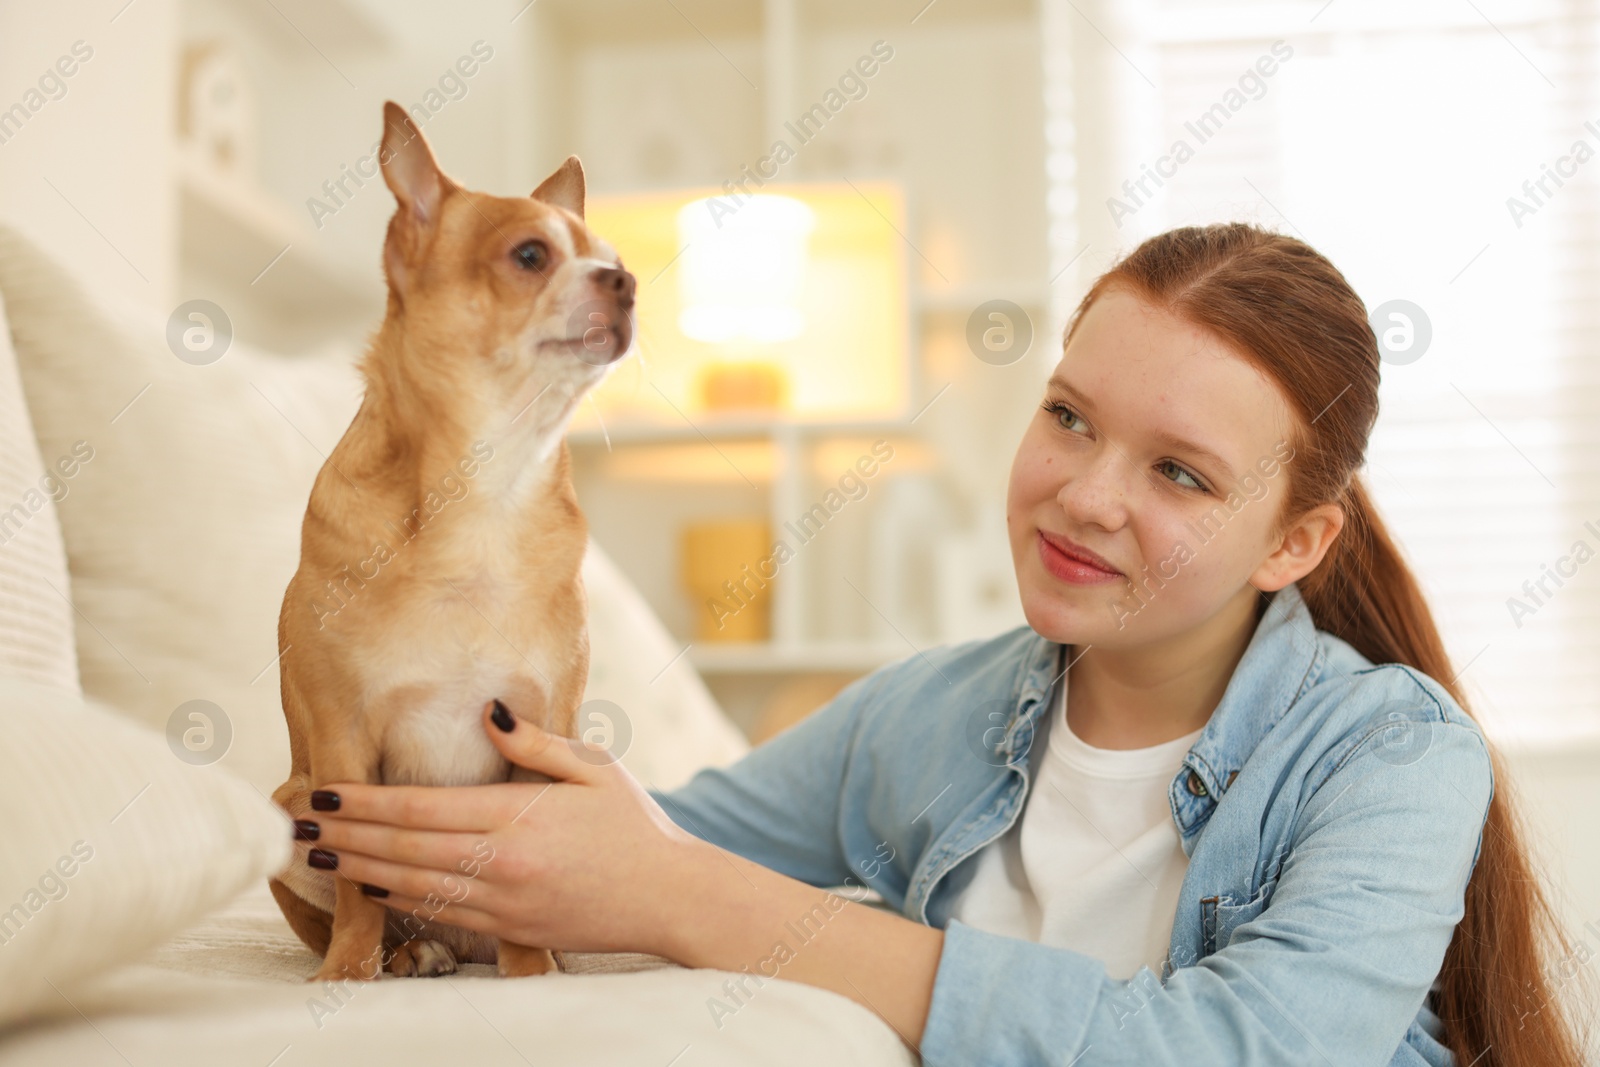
{"x": 441, "y": 548}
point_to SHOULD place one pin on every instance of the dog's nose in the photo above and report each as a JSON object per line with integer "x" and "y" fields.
{"x": 617, "y": 282}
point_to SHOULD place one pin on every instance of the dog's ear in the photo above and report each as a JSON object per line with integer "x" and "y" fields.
{"x": 564, "y": 188}
{"x": 413, "y": 175}
{"x": 409, "y": 168}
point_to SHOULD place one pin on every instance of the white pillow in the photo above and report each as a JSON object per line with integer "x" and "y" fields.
{"x": 185, "y": 529}
{"x": 35, "y": 610}
{"x": 675, "y": 724}
{"x": 111, "y": 844}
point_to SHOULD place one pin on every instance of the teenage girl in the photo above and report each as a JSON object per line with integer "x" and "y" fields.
{"x": 1220, "y": 801}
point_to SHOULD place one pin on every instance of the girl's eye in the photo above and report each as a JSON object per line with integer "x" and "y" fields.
{"x": 1056, "y": 408}
{"x": 531, "y": 255}
{"x": 1193, "y": 482}
{"x": 1059, "y": 409}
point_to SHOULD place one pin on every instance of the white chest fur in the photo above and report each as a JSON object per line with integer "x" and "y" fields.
{"x": 427, "y": 678}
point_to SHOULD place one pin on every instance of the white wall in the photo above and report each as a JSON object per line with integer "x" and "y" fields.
{"x": 87, "y": 174}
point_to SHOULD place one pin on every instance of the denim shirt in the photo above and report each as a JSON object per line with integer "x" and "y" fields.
{"x": 1332, "y": 812}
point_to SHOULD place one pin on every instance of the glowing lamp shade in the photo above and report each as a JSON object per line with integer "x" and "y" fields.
{"x": 743, "y": 269}
{"x": 803, "y": 284}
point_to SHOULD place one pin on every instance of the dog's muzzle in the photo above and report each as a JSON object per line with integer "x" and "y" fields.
{"x": 600, "y": 330}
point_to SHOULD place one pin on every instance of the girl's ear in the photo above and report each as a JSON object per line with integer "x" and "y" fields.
{"x": 1304, "y": 544}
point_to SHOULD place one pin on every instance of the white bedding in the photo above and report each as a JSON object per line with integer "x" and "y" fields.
{"x": 232, "y": 990}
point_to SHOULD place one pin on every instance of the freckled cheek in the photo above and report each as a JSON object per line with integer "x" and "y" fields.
{"x": 1050, "y": 469}
{"x": 1046, "y": 486}
{"x": 1032, "y": 480}
{"x": 1199, "y": 559}
{"x": 1164, "y": 542}
{"x": 1039, "y": 475}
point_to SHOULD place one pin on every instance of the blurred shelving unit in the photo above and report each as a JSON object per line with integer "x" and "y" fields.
{"x": 795, "y": 645}
{"x": 689, "y": 94}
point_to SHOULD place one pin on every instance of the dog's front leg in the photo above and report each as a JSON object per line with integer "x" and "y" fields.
{"x": 356, "y": 949}
{"x": 514, "y": 960}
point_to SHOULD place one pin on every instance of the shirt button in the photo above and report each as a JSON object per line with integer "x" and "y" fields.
{"x": 1196, "y": 786}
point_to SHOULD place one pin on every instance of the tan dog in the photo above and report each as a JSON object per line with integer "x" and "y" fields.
{"x": 440, "y": 553}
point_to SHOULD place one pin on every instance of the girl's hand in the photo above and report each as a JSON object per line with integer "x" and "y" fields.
{"x": 587, "y": 862}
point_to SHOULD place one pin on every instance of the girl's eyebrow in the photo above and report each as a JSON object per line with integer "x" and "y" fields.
{"x": 1171, "y": 440}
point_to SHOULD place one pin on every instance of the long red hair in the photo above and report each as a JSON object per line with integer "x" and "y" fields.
{"x": 1284, "y": 307}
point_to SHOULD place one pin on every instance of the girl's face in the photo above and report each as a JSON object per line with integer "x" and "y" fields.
{"x": 1160, "y": 451}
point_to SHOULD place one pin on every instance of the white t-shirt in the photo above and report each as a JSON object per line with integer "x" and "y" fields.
{"x": 1094, "y": 863}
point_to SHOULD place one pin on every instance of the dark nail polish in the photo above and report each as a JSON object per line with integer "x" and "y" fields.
{"x": 374, "y": 890}
{"x": 323, "y": 860}
{"x": 502, "y": 717}
{"x": 324, "y": 800}
{"x": 306, "y": 830}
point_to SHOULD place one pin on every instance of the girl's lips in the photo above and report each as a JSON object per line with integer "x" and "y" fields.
{"x": 1069, "y": 568}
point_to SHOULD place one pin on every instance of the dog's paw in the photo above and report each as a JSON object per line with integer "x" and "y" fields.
{"x": 521, "y": 961}
{"x": 426, "y": 959}
{"x": 331, "y": 971}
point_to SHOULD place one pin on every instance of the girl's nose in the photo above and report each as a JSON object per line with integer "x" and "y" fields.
{"x": 1097, "y": 493}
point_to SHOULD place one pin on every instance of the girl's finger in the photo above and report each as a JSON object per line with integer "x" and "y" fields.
{"x": 402, "y": 878}
{"x": 421, "y": 848}
{"x": 528, "y": 745}
{"x": 463, "y": 809}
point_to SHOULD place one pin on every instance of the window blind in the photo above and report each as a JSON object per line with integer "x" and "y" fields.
{"x": 1444, "y": 154}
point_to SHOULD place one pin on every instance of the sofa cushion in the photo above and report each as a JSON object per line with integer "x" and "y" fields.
{"x": 183, "y": 531}
{"x": 36, "y": 635}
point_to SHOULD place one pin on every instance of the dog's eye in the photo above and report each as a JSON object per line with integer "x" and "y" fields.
{"x": 531, "y": 255}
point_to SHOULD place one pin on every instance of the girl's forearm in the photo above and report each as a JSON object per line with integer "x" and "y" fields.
{"x": 731, "y": 914}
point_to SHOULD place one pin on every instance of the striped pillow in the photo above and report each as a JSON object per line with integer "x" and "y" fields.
{"x": 36, "y": 637}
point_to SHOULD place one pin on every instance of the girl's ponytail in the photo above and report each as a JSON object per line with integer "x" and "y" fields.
{"x": 1493, "y": 992}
